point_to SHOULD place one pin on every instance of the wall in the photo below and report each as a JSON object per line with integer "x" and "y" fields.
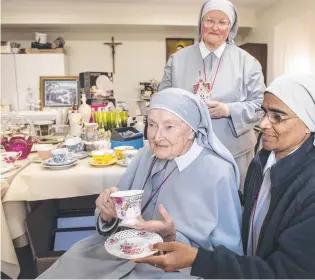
{"x": 86, "y": 25}
{"x": 141, "y": 57}
{"x": 288, "y": 29}
{"x": 176, "y": 13}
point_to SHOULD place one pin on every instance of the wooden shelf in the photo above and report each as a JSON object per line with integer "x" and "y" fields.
{"x": 33, "y": 50}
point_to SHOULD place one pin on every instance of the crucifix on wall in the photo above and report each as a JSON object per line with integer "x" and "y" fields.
{"x": 113, "y": 45}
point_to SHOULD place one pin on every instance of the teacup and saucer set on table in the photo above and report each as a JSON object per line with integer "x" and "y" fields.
{"x": 43, "y": 152}
{"x": 129, "y": 156}
{"x": 130, "y": 244}
{"x": 75, "y": 145}
{"x": 119, "y": 151}
{"x": 103, "y": 158}
{"x": 61, "y": 159}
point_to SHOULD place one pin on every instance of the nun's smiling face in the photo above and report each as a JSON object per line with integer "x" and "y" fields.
{"x": 282, "y": 130}
{"x": 168, "y": 135}
{"x": 215, "y": 28}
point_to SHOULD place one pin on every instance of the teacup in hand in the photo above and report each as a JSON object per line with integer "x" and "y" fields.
{"x": 128, "y": 206}
{"x": 61, "y": 155}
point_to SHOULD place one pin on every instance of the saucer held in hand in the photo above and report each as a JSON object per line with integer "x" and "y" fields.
{"x": 132, "y": 244}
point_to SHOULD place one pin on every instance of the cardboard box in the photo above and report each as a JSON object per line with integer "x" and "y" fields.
{"x": 41, "y": 225}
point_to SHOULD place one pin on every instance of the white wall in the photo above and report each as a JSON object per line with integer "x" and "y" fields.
{"x": 141, "y": 26}
{"x": 109, "y": 12}
{"x": 288, "y": 29}
{"x": 141, "y": 57}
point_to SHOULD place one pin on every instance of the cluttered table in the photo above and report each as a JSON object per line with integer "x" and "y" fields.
{"x": 84, "y": 161}
{"x": 33, "y": 182}
{"x": 38, "y": 183}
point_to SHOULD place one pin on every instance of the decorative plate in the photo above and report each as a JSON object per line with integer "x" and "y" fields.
{"x": 80, "y": 155}
{"x": 103, "y": 164}
{"x": 122, "y": 163}
{"x": 35, "y": 147}
{"x": 51, "y": 139}
{"x": 9, "y": 167}
{"x": 132, "y": 244}
{"x": 37, "y": 160}
{"x": 51, "y": 162}
{"x": 104, "y": 83}
{"x": 59, "y": 167}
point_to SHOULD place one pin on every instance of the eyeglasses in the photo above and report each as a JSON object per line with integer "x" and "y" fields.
{"x": 273, "y": 117}
{"x": 222, "y": 24}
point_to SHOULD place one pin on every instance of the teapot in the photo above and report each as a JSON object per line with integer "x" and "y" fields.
{"x": 19, "y": 141}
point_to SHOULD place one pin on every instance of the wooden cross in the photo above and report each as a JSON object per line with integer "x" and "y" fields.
{"x": 113, "y": 45}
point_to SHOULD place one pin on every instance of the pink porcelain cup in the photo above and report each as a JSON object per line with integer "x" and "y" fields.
{"x": 128, "y": 206}
{"x": 45, "y": 152}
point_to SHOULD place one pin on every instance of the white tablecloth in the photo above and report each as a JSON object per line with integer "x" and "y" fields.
{"x": 36, "y": 183}
{"x": 9, "y": 211}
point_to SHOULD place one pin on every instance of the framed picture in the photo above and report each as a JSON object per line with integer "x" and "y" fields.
{"x": 59, "y": 91}
{"x": 175, "y": 44}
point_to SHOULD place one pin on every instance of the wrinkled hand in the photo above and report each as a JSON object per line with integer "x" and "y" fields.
{"x": 166, "y": 229}
{"x": 218, "y": 109}
{"x": 178, "y": 256}
{"x": 105, "y": 204}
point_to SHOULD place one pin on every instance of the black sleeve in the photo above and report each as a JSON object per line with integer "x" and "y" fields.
{"x": 293, "y": 257}
{"x": 113, "y": 228}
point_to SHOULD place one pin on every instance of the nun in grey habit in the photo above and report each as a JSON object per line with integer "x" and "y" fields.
{"x": 235, "y": 77}
{"x": 200, "y": 194}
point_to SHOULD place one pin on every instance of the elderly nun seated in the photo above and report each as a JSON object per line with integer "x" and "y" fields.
{"x": 189, "y": 171}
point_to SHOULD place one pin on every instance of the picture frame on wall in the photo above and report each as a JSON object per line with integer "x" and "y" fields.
{"x": 59, "y": 91}
{"x": 175, "y": 44}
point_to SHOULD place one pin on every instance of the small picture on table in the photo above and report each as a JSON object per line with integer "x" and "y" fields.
{"x": 59, "y": 91}
{"x": 174, "y": 45}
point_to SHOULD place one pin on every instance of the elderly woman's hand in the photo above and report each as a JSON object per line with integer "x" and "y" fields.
{"x": 105, "y": 204}
{"x": 166, "y": 229}
{"x": 218, "y": 109}
{"x": 178, "y": 256}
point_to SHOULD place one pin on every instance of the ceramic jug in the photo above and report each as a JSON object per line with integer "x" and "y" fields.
{"x": 75, "y": 120}
{"x": 85, "y": 109}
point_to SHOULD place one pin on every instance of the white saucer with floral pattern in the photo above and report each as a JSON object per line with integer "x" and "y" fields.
{"x": 132, "y": 244}
{"x": 122, "y": 162}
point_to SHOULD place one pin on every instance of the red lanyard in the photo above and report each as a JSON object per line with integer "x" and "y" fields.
{"x": 149, "y": 174}
{"x": 216, "y": 72}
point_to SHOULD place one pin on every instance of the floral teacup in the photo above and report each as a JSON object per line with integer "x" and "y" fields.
{"x": 74, "y": 144}
{"x": 61, "y": 155}
{"x": 128, "y": 205}
{"x": 103, "y": 156}
{"x": 120, "y": 149}
{"x": 129, "y": 155}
